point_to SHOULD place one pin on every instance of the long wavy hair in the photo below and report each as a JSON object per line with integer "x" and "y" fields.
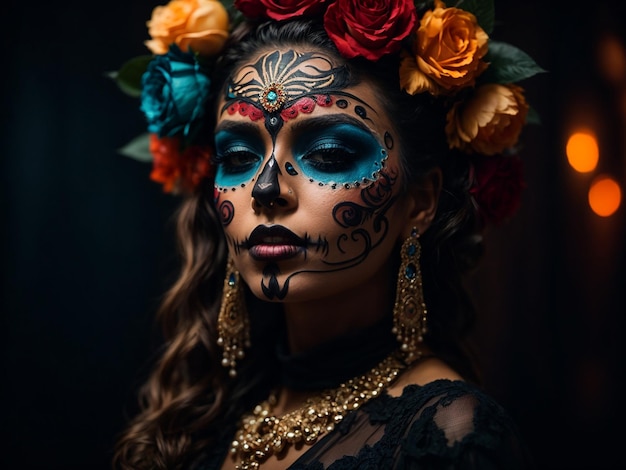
{"x": 188, "y": 398}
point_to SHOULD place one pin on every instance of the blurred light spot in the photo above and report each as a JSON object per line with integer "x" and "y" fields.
{"x": 612, "y": 59}
{"x": 582, "y": 151}
{"x": 605, "y": 195}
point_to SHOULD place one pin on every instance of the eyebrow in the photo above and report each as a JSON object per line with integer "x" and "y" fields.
{"x": 237, "y": 126}
{"x": 300, "y": 127}
{"x": 322, "y": 122}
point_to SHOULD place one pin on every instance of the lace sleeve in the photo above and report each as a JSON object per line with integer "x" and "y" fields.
{"x": 460, "y": 428}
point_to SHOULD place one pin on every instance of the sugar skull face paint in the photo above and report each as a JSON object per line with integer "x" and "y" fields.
{"x": 307, "y": 179}
{"x": 280, "y": 86}
{"x": 329, "y": 150}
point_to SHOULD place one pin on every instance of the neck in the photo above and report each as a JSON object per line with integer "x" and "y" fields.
{"x": 316, "y": 321}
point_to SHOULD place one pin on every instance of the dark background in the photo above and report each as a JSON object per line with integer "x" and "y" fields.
{"x": 87, "y": 241}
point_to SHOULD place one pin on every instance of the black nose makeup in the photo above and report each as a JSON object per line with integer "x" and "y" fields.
{"x": 266, "y": 189}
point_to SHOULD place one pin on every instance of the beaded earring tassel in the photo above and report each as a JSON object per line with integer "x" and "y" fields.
{"x": 233, "y": 325}
{"x": 409, "y": 310}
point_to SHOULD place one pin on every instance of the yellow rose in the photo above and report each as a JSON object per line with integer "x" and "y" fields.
{"x": 412, "y": 79}
{"x": 449, "y": 47}
{"x": 201, "y": 25}
{"x": 489, "y": 121}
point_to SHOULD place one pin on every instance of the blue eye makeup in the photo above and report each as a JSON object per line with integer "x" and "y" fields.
{"x": 237, "y": 157}
{"x": 341, "y": 153}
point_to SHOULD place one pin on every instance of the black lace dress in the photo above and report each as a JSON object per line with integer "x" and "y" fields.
{"x": 441, "y": 425}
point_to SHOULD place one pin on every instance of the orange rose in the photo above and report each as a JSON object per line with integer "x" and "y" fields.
{"x": 412, "y": 79}
{"x": 449, "y": 47}
{"x": 199, "y": 25}
{"x": 489, "y": 121}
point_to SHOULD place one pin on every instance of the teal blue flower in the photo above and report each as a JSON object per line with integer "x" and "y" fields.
{"x": 174, "y": 89}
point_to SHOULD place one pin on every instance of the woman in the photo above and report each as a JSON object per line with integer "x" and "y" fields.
{"x": 319, "y": 317}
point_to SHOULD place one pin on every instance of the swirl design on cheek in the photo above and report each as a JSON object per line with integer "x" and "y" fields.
{"x": 227, "y": 212}
{"x": 377, "y": 199}
{"x": 350, "y": 214}
{"x": 379, "y": 195}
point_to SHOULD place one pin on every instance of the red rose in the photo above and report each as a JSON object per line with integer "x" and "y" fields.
{"x": 369, "y": 28}
{"x": 279, "y": 9}
{"x": 498, "y": 185}
{"x": 250, "y": 8}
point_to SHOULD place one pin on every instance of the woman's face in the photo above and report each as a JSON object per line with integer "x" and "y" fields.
{"x": 308, "y": 183}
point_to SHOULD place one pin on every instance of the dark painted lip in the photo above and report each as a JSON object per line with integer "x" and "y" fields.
{"x": 273, "y": 235}
{"x": 274, "y": 243}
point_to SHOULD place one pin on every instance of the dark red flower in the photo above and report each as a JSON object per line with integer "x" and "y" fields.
{"x": 165, "y": 154}
{"x": 280, "y": 9}
{"x": 195, "y": 166}
{"x": 178, "y": 171}
{"x": 498, "y": 185}
{"x": 369, "y": 28}
{"x": 250, "y": 8}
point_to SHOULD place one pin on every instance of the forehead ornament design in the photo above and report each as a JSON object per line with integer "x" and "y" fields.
{"x": 279, "y": 78}
{"x": 273, "y": 97}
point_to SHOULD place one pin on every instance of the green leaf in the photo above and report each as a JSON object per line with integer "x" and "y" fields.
{"x": 235, "y": 16}
{"x": 533, "y": 116}
{"x": 424, "y": 5}
{"x": 483, "y": 10}
{"x": 508, "y": 64}
{"x": 128, "y": 77}
{"x": 138, "y": 148}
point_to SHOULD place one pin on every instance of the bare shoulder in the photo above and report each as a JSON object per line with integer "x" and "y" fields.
{"x": 423, "y": 372}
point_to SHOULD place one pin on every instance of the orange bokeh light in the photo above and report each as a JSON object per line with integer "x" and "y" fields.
{"x": 582, "y": 151}
{"x": 604, "y": 195}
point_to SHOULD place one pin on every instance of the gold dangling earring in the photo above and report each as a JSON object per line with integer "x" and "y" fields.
{"x": 409, "y": 310}
{"x": 233, "y": 325}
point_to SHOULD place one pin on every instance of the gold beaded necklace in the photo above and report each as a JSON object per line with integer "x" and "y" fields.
{"x": 262, "y": 435}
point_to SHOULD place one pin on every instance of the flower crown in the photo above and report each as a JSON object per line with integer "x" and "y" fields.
{"x": 444, "y": 51}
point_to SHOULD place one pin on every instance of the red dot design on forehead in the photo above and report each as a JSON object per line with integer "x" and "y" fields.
{"x": 304, "y": 105}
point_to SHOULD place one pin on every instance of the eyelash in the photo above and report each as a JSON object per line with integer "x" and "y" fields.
{"x": 237, "y": 160}
{"x": 325, "y": 157}
{"x": 333, "y": 158}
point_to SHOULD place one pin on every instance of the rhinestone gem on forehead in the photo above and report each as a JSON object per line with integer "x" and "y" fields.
{"x": 273, "y": 97}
